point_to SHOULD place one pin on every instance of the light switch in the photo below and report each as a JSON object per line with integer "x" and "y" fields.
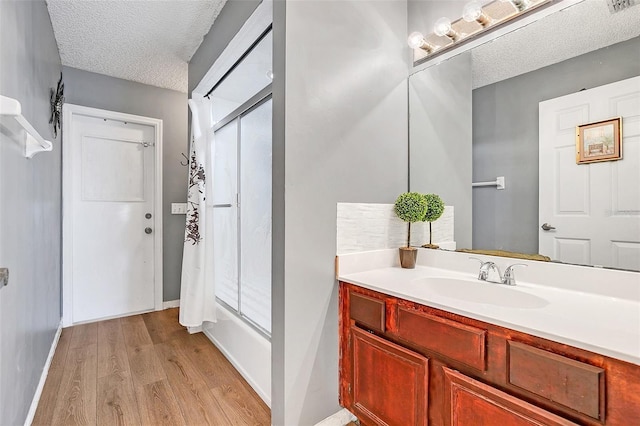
{"x": 178, "y": 208}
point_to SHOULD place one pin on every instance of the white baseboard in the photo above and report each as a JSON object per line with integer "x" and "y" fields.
{"x": 171, "y": 304}
{"x": 43, "y": 378}
{"x": 341, "y": 418}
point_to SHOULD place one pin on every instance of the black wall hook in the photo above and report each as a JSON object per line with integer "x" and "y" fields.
{"x": 186, "y": 158}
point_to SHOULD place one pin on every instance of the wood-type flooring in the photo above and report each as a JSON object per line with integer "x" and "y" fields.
{"x": 144, "y": 370}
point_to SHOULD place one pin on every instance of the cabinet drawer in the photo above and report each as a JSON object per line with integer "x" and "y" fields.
{"x": 367, "y": 311}
{"x": 565, "y": 381}
{"x": 470, "y": 402}
{"x": 457, "y": 341}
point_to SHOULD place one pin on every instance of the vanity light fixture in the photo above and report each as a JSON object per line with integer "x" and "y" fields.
{"x": 442, "y": 27}
{"x": 473, "y": 12}
{"x": 478, "y": 17}
{"x": 416, "y": 41}
{"x": 520, "y": 4}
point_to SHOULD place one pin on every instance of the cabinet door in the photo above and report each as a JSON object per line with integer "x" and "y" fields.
{"x": 390, "y": 383}
{"x": 472, "y": 403}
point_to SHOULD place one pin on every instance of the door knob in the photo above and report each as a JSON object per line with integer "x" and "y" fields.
{"x": 547, "y": 227}
{"x": 148, "y": 230}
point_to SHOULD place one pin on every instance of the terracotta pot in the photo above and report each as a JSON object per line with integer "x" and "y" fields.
{"x": 408, "y": 256}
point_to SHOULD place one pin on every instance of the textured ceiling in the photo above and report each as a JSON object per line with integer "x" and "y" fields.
{"x": 574, "y": 31}
{"x": 145, "y": 41}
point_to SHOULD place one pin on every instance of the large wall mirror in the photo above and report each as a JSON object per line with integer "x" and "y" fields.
{"x": 510, "y": 108}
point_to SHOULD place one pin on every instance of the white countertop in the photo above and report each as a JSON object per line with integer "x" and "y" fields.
{"x": 595, "y": 322}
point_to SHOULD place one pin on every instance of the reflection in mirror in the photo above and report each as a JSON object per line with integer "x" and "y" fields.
{"x": 510, "y": 108}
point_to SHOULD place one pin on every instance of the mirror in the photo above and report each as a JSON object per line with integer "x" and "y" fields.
{"x": 494, "y": 110}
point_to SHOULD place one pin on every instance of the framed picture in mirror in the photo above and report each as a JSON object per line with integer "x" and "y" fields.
{"x": 599, "y": 141}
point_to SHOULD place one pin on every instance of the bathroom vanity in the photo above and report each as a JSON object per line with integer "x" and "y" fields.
{"x": 407, "y": 358}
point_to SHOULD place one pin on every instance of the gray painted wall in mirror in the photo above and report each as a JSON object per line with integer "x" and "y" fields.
{"x": 114, "y": 94}
{"x": 30, "y": 198}
{"x": 440, "y": 138}
{"x": 505, "y": 140}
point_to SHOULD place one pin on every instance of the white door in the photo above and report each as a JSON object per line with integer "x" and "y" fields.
{"x": 109, "y": 201}
{"x": 595, "y": 208}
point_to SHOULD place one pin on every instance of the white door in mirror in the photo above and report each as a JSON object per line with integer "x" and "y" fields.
{"x": 592, "y": 211}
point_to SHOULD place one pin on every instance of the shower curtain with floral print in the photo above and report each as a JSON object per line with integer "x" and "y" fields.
{"x": 197, "y": 292}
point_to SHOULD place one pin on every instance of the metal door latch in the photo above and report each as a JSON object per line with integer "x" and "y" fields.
{"x": 4, "y": 277}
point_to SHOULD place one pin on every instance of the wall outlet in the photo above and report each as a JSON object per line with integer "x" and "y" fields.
{"x": 4, "y": 277}
{"x": 178, "y": 208}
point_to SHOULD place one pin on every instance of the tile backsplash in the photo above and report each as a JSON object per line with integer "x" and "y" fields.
{"x": 365, "y": 227}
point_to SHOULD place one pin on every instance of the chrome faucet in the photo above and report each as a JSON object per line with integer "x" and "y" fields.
{"x": 485, "y": 271}
{"x": 486, "y": 268}
{"x": 509, "y": 276}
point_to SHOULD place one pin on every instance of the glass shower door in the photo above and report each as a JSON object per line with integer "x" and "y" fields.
{"x": 225, "y": 213}
{"x": 255, "y": 215}
{"x": 242, "y": 214}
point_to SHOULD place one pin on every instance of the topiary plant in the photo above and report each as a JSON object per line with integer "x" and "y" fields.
{"x": 435, "y": 208}
{"x": 410, "y": 207}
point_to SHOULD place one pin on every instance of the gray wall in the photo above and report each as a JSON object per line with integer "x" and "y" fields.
{"x": 114, "y": 94}
{"x": 232, "y": 16}
{"x": 342, "y": 138}
{"x": 30, "y": 205}
{"x": 505, "y": 140}
{"x": 440, "y": 138}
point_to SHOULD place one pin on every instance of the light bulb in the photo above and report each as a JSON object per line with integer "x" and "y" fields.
{"x": 415, "y": 40}
{"x": 442, "y": 27}
{"x": 472, "y": 11}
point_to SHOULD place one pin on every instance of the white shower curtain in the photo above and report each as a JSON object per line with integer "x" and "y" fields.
{"x": 197, "y": 292}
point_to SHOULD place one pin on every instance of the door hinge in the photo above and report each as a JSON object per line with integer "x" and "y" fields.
{"x": 349, "y": 388}
{"x": 349, "y": 341}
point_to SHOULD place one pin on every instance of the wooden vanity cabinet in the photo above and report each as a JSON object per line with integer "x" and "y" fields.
{"x": 402, "y": 363}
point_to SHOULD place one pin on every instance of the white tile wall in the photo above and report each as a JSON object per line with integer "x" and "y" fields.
{"x": 364, "y": 227}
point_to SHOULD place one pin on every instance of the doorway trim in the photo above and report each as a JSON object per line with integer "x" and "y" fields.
{"x": 69, "y": 111}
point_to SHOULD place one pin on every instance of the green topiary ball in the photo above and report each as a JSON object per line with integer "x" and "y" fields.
{"x": 411, "y": 207}
{"x": 435, "y": 208}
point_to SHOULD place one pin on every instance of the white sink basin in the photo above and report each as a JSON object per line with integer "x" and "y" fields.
{"x": 481, "y": 292}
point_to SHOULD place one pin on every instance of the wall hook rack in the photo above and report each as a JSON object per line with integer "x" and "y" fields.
{"x": 17, "y": 128}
